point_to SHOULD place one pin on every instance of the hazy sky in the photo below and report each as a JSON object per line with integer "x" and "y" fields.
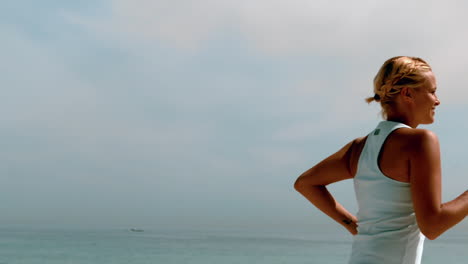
{"x": 155, "y": 114}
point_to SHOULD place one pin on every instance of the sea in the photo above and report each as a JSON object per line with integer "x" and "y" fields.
{"x": 119, "y": 246}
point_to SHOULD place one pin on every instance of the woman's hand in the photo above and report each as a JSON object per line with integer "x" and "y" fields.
{"x": 351, "y": 226}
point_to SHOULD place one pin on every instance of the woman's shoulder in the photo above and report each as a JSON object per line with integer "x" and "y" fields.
{"x": 415, "y": 137}
{"x": 357, "y": 145}
{"x": 415, "y": 133}
{"x": 355, "y": 148}
{"x": 359, "y": 141}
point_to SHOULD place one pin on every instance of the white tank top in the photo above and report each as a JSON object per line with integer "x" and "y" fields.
{"x": 387, "y": 229}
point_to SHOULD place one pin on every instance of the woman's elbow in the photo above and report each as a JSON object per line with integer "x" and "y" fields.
{"x": 431, "y": 235}
{"x": 431, "y": 232}
{"x": 297, "y": 185}
{"x": 300, "y": 185}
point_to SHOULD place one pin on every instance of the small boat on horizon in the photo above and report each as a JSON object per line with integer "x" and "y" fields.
{"x": 136, "y": 230}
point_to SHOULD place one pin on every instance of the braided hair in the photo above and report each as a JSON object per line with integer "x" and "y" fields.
{"x": 396, "y": 73}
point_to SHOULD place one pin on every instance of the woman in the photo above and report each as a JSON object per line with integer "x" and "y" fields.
{"x": 396, "y": 171}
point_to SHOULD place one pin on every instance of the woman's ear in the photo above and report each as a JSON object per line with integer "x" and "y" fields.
{"x": 406, "y": 93}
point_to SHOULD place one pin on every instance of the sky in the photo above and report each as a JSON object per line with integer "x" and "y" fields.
{"x": 201, "y": 114}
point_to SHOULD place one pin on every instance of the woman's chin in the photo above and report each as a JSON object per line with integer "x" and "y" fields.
{"x": 428, "y": 121}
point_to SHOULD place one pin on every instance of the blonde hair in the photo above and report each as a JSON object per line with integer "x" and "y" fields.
{"x": 396, "y": 73}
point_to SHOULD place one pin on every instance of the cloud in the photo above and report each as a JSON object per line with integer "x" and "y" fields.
{"x": 362, "y": 30}
{"x": 290, "y": 27}
{"x": 184, "y": 24}
{"x": 273, "y": 28}
{"x": 48, "y": 103}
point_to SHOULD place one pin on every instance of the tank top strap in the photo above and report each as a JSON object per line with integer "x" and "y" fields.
{"x": 375, "y": 141}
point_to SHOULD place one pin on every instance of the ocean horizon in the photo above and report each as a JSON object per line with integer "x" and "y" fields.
{"x": 196, "y": 246}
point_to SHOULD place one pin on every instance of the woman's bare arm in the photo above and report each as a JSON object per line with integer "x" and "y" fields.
{"x": 337, "y": 167}
{"x": 433, "y": 216}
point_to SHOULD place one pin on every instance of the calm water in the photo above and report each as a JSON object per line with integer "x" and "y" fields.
{"x": 124, "y": 246}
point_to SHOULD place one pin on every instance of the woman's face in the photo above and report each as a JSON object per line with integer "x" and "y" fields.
{"x": 426, "y": 100}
